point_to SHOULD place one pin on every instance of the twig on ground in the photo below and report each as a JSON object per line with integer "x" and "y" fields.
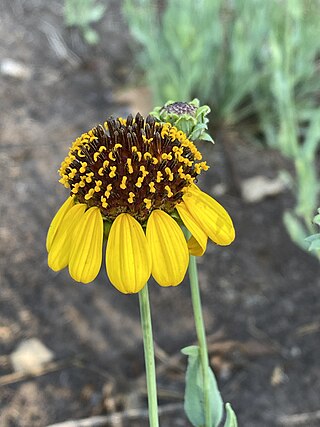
{"x": 117, "y": 418}
{"x": 299, "y": 419}
{"x": 15, "y": 377}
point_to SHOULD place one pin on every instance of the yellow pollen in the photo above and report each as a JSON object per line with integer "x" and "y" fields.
{"x": 169, "y": 173}
{"x": 147, "y": 156}
{"x": 92, "y": 137}
{"x": 117, "y": 146}
{"x": 102, "y": 148}
{"x": 123, "y": 185}
{"x": 155, "y": 161}
{"x": 89, "y": 194}
{"x": 122, "y": 121}
{"x": 82, "y": 184}
{"x": 159, "y": 176}
{"x": 111, "y": 156}
{"x": 170, "y": 193}
{"x": 75, "y": 188}
{"x": 105, "y": 164}
{"x": 97, "y": 188}
{"x": 197, "y": 168}
{"x": 204, "y": 166}
{"x": 152, "y": 187}
{"x": 144, "y": 172}
{"x": 146, "y": 140}
{"x": 134, "y": 149}
{"x": 139, "y": 181}
{"x": 138, "y": 153}
{"x": 129, "y": 166}
{"x": 181, "y": 137}
{"x": 165, "y": 130}
{"x": 166, "y": 156}
{"x": 96, "y": 156}
{"x": 88, "y": 177}
{"x": 148, "y": 203}
{"x": 112, "y": 174}
{"x": 131, "y": 197}
{"x": 83, "y": 167}
{"x": 64, "y": 181}
{"x": 72, "y": 173}
{"x": 104, "y": 202}
{"x": 108, "y": 191}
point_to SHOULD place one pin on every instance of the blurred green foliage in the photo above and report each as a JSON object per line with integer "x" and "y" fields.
{"x": 252, "y": 61}
{"x": 82, "y": 14}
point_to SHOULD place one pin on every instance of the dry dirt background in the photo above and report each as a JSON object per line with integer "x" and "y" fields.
{"x": 260, "y": 296}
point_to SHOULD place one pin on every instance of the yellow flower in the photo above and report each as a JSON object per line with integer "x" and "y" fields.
{"x": 132, "y": 182}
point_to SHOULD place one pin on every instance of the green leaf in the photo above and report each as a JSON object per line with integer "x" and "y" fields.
{"x": 315, "y": 245}
{"x": 194, "y": 395}
{"x": 231, "y": 420}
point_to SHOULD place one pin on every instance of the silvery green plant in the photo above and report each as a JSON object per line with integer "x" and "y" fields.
{"x": 82, "y": 14}
{"x": 289, "y": 85}
{"x": 189, "y": 117}
{"x": 203, "y": 48}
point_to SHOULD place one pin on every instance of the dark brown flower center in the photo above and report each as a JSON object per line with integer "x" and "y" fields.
{"x": 132, "y": 166}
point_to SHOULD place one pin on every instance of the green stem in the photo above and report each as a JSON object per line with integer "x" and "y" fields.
{"x": 149, "y": 356}
{"x": 201, "y": 334}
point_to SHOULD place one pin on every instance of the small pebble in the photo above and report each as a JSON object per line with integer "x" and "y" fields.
{"x": 11, "y": 68}
{"x": 30, "y": 356}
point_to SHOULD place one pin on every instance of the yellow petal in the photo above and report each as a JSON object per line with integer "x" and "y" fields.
{"x": 128, "y": 260}
{"x": 58, "y": 257}
{"x": 168, "y": 248}
{"x": 55, "y": 223}
{"x": 197, "y": 244}
{"x": 86, "y": 247}
{"x": 210, "y": 216}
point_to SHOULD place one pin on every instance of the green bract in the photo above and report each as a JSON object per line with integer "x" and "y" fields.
{"x": 189, "y": 117}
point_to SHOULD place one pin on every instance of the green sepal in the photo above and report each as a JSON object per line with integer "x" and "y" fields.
{"x": 231, "y": 419}
{"x": 194, "y": 393}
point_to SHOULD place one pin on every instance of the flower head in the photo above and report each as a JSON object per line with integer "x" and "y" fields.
{"x": 132, "y": 181}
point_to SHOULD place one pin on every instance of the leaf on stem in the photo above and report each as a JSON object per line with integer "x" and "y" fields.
{"x": 231, "y": 419}
{"x": 194, "y": 391}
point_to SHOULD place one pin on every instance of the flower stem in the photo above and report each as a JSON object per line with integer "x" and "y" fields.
{"x": 201, "y": 334}
{"x": 149, "y": 356}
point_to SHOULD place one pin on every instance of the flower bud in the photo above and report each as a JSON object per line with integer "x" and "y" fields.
{"x": 189, "y": 117}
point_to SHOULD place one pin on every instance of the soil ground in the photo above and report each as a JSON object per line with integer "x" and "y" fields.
{"x": 260, "y": 295}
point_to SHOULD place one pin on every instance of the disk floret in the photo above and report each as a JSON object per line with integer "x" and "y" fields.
{"x": 131, "y": 166}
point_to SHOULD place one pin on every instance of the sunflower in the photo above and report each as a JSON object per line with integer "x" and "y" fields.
{"x": 132, "y": 184}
